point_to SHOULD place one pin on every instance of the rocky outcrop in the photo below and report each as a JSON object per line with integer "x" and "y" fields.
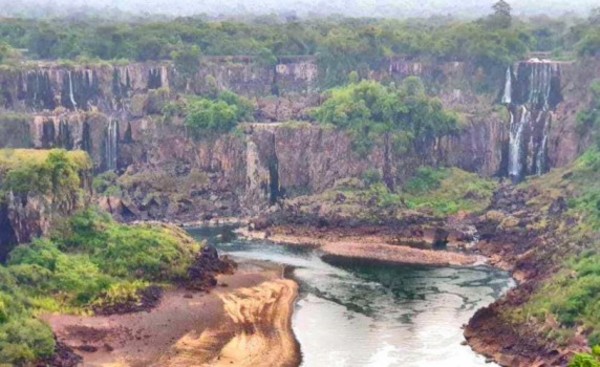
{"x": 523, "y": 231}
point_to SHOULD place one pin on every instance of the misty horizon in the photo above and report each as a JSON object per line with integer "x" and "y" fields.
{"x": 301, "y": 8}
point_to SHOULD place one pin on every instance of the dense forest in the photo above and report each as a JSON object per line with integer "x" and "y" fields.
{"x": 341, "y": 44}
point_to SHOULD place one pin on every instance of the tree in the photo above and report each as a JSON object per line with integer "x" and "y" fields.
{"x": 5, "y": 50}
{"x": 207, "y": 117}
{"x": 400, "y": 119}
{"x": 187, "y": 61}
{"x": 43, "y": 42}
{"x": 502, "y": 14}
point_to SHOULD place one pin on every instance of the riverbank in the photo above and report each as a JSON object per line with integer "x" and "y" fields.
{"x": 245, "y": 321}
{"x": 365, "y": 247}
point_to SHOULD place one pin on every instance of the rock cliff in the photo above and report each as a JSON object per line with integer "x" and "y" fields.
{"x": 113, "y": 113}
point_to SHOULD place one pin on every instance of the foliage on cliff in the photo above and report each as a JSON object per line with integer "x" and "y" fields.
{"x": 217, "y": 116}
{"x": 404, "y": 116}
{"x": 429, "y": 193}
{"x": 588, "y": 120}
{"x": 90, "y": 262}
{"x": 566, "y": 303}
{"x": 341, "y": 44}
{"x": 42, "y": 172}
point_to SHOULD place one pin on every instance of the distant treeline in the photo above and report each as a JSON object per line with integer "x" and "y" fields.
{"x": 340, "y": 44}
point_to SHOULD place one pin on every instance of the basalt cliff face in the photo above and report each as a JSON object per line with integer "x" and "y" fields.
{"x": 113, "y": 113}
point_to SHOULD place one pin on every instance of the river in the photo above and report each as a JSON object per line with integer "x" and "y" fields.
{"x": 362, "y": 314}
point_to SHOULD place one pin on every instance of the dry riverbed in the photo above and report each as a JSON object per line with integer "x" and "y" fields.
{"x": 368, "y": 248}
{"x": 245, "y": 321}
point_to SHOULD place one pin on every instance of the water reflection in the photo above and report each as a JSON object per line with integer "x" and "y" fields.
{"x": 355, "y": 313}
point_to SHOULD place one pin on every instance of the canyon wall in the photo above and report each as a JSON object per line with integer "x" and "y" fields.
{"x": 113, "y": 113}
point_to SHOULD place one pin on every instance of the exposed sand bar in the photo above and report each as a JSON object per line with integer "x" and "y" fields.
{"x": 246, "y": 323}
{"x": 371, "y": 248}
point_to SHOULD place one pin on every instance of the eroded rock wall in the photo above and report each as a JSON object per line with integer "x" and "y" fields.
{"x": 112, "y": 112}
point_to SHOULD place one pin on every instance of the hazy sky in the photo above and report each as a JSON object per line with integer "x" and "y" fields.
{"x": 378, "y": 8}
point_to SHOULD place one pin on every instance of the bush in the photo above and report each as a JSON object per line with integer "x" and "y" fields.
{"x": 106, "y": 184}
{"x": 405, "y": 118}
{"x": 119, "y": 294}
{"x": 140, "y": 251}
{"x": 426, "y": 179}
{"x": 587, "y": 360}
{"x": 25, "y": 339}
{"x": 207, "y": 117}
{"x": 90, "y": 262}
{"x": 371, "y": 177}
{"x": 47, "y": 172}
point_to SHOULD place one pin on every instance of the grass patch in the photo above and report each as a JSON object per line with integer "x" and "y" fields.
{"x": 448, "y": 191}
{"x": 571, "y": 297}
{"x": 89, "y": 262}
{"x": 432, "y": 191}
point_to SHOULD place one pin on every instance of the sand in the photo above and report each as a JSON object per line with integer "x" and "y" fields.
{"x": 371, "y": 248}
{"x": 246, "y": 321}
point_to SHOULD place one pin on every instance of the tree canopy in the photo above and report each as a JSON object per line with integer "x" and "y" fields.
{"x": 369, "y": 110}
{"x": 340, "y": 44}
{"x": 215, "y": 116}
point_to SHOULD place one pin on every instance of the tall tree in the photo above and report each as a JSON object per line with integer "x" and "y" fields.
{"x": 502, "y": 17}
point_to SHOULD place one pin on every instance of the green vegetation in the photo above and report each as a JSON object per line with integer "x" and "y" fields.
{"x": 187, "y": 61}
{"x": 405, "y": 117}
{"x": 571, "y": 297}
{"x": 437, "y": 192}
{"x": 340, "y": 44}
{"x": 43, "y": 172}
{"x": 216, "y": 116}
{"x": 587, "y": 360}
{"x": 89, "y": 262}
{"x": 402, "y": 119}
{"x": 447, "y": 191}
{"x": 106, "y": 184}
{"x": 588, "y": 120}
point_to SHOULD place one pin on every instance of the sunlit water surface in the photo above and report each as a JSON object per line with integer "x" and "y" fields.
{"x": 361, "y": 314}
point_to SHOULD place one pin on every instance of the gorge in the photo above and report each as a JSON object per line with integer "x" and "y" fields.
{"x": 281, "y": 191}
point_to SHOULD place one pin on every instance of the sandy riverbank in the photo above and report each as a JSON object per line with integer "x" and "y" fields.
{"x": 369, "y": 248}
{"x": 244, "y": 322}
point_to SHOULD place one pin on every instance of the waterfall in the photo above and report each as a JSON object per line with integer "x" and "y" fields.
{"x": 517, "y": 129}
{"x": 542, "y": 153}
{"x": 507, "y": 97}
{"x": 530, "y": 98}
{"x": 540, "y": 85}
{"x": 71, "y": 95}
{"x": 111, "y": 145}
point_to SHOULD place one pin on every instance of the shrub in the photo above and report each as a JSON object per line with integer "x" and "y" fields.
{"x": 587, "y": 360}
{"x": 209, "y": 117}
{"x": 426, "y": 179}
{"x": 120, "y": 293}
{"x": 24, "y": 339}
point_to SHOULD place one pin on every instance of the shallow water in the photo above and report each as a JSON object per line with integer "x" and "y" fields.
{"x": 361, "y": 314}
